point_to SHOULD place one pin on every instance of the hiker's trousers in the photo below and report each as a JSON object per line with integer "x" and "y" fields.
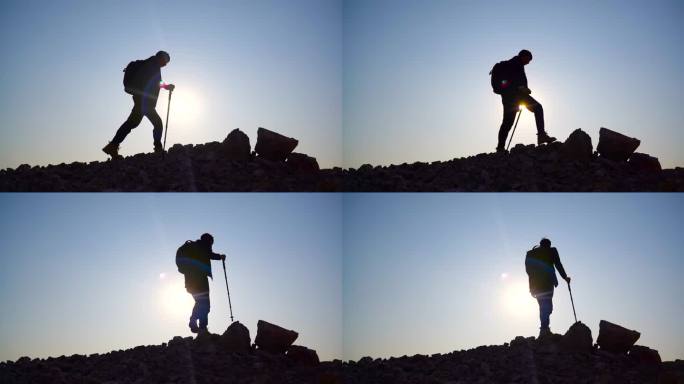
{"x": 200, "y": 312}
{"x": 510, "y": 109}
{"x": 142, "y": 106}
{"x": 545, "y": 301}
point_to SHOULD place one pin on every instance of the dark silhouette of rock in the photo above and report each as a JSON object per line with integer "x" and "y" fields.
{"x": 642, "y": 162}
{"x": 644, "y": 355}
{"x": 236, "y": 338}
{"x": 577, "y": 338}
{"x": 578, "y": 146}
{"x": 302, "y": 162}
{"x": 236, "y": 146}
{"x": 211, "y": 167}
{"x": 273, "y": 338}
{"x": 274, "y": 146}
{"x": 615, "y": 338}
{"x": 616, "y": 146}
{"x": 302, "y": 355}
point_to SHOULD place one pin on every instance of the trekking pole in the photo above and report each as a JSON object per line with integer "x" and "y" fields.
{"x": 227, "y": 289}
{"x": 515, "y": 126}
{"x": 573, "y": 303}
{"x": 168, "y": 108}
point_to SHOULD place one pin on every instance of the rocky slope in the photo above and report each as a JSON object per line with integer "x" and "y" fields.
{"x": 229, "y": 358}
{"x": 212, "y": 167}
{"x": 571, "y": 166}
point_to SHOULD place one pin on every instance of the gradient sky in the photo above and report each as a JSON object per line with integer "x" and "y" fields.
{"x": 416, "y": 83}
{"x": 269, "y": 63}
{"x": 433, "y": 273}
{"x": 82, "y": 273}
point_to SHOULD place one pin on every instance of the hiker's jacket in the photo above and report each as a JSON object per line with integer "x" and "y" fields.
{"x": 148, "y": 78}
{"x": 196, "y": 260}
{"x": 539, "y": 264}
{"x": 515, "y": 74}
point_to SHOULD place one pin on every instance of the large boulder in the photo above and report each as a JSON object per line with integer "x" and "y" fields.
{"x": 644, "y": 355}
{"x": 236, "y": 146}
{"x": 236, "y": 338}
{"x": 577, "y": 338}
{"x": 302, "y": 355}
{"x": 578, "y": 146}
{"x": 303, "y": 163}
{"x": 616, "y": 146}
{"x": 614, "y": 338}
{"x": 274, "y": 146}
{"x": 273, "y": 338}
{"x": 642, "y": 162}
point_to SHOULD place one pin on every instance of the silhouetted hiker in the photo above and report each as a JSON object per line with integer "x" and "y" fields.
{"x": 509, "y": 80}
{"x": 193, "y": 261}
{"x": 539, "y": 264}
{"x": 142, "y": 79}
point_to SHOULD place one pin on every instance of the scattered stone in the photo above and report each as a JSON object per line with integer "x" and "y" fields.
{"x": 236, "y": 146}
{"x": 274, "y": 146}
{"x": 303, "y": 163}
{"x": 302, "y": 355}
{"x": 577, "y": 338}
{"x": 236, "y": 338}
{"x": 616, "y": 146}
{"x": 644, "y": 163}
{"x": 273, "y": 338}
{"x": 615, "y": 338}
{"x": 578, "y": 146}
{"x": 644, "y": 355}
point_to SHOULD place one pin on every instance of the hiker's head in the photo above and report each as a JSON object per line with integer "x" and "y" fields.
{"x": 525, "y": 56}
{"x": 546, "y": 243}
{"x": 207, "y": 239}
{"x": 163, "y": 58}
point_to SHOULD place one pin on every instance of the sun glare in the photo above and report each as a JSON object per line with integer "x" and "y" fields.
{"x": 516, "y": 299}
{"x": 186, "y": 107}
{"x": 174, "y": 300}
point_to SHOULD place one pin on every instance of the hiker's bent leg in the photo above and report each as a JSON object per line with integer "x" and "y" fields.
{"x": 535, "y": 107}
{"x": 509, "y": 112}
{"x": 156, "y": 121}
{"x": 133, "y": 121}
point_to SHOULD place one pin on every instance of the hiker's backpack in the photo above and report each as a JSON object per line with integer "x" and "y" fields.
{"x": 186, "y": 251}
{"x": 499, "y": 76}
{"x": 131, "y": 79}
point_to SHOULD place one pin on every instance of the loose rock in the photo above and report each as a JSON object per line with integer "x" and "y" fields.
{"x": 616, "y": 146}
{"x": 615, "y": 338}
{"x": 273, "y": 338}
{"x": 274, "y": 146}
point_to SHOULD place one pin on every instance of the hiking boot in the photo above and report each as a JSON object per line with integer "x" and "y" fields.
{"x": 193, "y": 326}
{"x": 112, "y": 150}
{"x": 544, "y": 138}
{"x": 501, "y": 150}
{"x": 544, "y": 332}
{"x": 158, "y": 148}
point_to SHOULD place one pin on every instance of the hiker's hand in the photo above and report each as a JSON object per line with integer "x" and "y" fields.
{"x": 170, "y": 87}
{"x": 567, "y": 279}
{"x": 524, "y": 90}
{"x": 223, "y": 257}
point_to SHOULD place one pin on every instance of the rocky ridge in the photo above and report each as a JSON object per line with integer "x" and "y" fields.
{"x": 231, "y": 165}
{"x": 229, "y": 358}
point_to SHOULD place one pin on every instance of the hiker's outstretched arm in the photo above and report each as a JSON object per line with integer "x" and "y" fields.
{"x": 217, "y": 256}
{"x": 559, "y": 266}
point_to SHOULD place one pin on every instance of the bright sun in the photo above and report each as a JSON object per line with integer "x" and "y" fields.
{"x": 186, "y": 107}
{"x": 516, "y": 299}
{"x": 174, "y": 300}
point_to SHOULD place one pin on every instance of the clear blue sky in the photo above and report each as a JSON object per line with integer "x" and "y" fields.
{"x": 416, "y": 83}
{"x": 270, "y": 63}
{"x": 433, "y": 273}
{"x": 87, "y": 273}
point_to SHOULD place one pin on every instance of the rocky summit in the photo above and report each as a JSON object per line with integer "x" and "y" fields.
{"x": 273, "y": 358}
{"x": 570, "y": 166}
{"x": 229, "y": 165}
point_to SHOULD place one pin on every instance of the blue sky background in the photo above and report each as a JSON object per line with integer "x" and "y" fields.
{"x": 433, "y": 273}
{"x": 82, "y": 273}
{"x": 236, "y": 64}
{"x": 416, "y": 83}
